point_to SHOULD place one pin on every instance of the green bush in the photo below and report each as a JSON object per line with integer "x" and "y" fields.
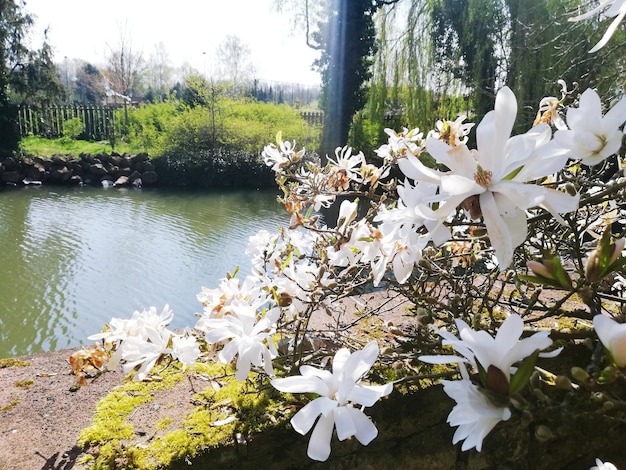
{"x": 214, "y": 144}
{"x": 172, "y": 126}
{"x": 214, "y": 168}
{"x": 72, "y": 128}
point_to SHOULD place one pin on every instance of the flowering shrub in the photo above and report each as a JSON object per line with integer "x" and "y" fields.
{"x": 471, "y": 236}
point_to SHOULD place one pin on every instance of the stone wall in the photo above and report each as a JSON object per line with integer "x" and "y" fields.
{"x": 103, "y": 169}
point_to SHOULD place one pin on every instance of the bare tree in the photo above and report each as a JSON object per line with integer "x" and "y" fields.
{"x": 234, "y": 59}
{"x": 125, "y": 66}
{"x": 159, "y": 70}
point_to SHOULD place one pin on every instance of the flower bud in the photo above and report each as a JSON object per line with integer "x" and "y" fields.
{"x": 539, "y": 269}
{"x": 543, "y": 433}
{"x": 562, "y": 382}
{"x": 579, "y": 374}
{"x": 597, "y": 397}
{"x": 570, "y": 189}
{"x": 601, "y": 260}
{"x": 540, "y": 395}
{"x": 608, "y": 406}
{"x": 535, "y": 380}
{"x": 551, "y": 271}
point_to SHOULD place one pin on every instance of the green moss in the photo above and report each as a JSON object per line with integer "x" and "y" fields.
{"x": 25, "y": 384}
{"x": 13, "y": 403}
{"x": 163, "y": 424}
{"x": 112, "y": 412}
{"x": 202, "y": 429}
{"x": 10, "y": 362}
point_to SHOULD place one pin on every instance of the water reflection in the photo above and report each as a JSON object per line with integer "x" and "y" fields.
{"x": 73, "y": 258}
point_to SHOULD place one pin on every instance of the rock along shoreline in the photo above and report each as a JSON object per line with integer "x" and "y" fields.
{"x": 102, "y": 169}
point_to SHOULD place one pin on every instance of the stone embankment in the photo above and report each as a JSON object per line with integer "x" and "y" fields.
{"x": 103, "y": 169}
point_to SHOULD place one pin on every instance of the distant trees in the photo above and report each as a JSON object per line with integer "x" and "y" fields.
{"x": 89, "y": 85}
{"x": 26, "y": 76}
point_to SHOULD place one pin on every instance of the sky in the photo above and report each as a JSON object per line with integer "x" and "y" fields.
{"x": 190, "y": 30}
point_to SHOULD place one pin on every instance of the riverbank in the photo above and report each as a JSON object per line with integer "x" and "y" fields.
{"x": 42, "y": 411}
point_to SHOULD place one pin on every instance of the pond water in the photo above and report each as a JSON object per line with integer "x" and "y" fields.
{"x": 72, "y": 258}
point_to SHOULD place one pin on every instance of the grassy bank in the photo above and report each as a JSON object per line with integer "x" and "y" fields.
{"x": 40, "y": 146}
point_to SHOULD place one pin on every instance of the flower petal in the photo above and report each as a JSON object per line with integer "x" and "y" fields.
{"x": 301, "y": 384}
{"x": 498, "y": 230}
{"x": 319, "y": 444}
{"x": 344, "y": 423}
{"x": 366, "y": 432}
{"x": 304, "y": 419}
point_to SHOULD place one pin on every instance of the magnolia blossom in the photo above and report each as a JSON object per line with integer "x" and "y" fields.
{"x": 339, "y": 392}
{"x": 491, "y": 181}
{"x": 474, "y": 414}
{"x": 401, "y": 144}
{"x": 613, "y": 337}
{"x": 345, "y": 168}
{"x": 142, "y": 340}
{"x": 281, "y": 156}
{"x": 501, "y": 351}
{"x": 186, "y": 349}
{"x": 144, "y": 353}
{"x": 231, "y": 291}
{"x": 591, "y": 136}
{"x": 603, "y": 466}
{"x": 267, "y": 251}
{"x": 453, "y": 132}
{"x": 612, "y": 8}
{"x": 138, "y": 325}
{"x": 250, "y": 339}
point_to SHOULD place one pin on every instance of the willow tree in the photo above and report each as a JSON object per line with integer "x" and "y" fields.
{"x": 401, "y": 92}
{"x": 543, "y": 47}
{"x": 443, "y": 58}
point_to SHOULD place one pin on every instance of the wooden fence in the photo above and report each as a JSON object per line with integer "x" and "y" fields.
{"x": 313, "y": 118}
{"x": 98, "y": 121}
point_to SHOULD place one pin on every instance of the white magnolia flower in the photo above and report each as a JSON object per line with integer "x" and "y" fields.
{"x": 186, "y": 349}
{"x": 345, "y": 168}
{"x": 137, "y": 351}
{"x": 407, "y": 142}
{"x": 591, "y": 136}
{"x": 339, "y": 392}
{"x": 603, "y": 466}
{"x": 231, "y": 291}
{"x": 501, "y": 351}
{"x": 613, "y": 337}
{"x": 491, "y": 181}
{"x": 614, "y": 8}
{"x": 250, "y": 339}
{"x": 281, "y": 156}
{"x": 453, "y": 132}
{"x": 138, "y": 325}
{"x": 474, "y": 414}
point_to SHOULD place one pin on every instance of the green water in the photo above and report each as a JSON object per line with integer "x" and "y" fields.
{"x": 72, "y": 258}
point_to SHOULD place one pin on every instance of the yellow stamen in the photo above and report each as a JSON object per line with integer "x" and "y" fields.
{"x": 483, "y": 177}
